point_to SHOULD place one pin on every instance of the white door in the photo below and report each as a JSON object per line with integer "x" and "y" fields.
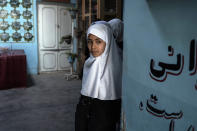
{"x": 65, "y": 26}
{"x": 47, "y": 27}
{"x": 63, "y": 63}
{"x": 53, "y": 22}
{"x": 48, "y": 60}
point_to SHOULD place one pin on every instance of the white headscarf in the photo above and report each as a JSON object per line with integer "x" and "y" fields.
{"x": 117, "y": 27}
{"x": 102, "y": 75}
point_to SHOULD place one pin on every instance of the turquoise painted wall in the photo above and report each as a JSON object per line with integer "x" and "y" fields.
{"x": 150, "y": 27}
{"x": 29, "y": 48}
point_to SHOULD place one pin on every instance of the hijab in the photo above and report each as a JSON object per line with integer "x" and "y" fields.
{"x": 117, "y": 27}
{"x": 102, "y": 75}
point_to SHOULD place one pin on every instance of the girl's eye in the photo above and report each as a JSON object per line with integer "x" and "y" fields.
{"x": 89, "y": 42}
{"x": 98, "y": 41}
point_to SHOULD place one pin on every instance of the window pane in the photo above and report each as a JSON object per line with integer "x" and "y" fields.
{"x": 87, "y": 6}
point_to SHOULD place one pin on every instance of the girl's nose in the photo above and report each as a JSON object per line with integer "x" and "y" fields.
{"x": 93, "y": 45}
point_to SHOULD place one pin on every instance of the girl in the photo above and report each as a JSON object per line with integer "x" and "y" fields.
{"x": 99, "y": 105}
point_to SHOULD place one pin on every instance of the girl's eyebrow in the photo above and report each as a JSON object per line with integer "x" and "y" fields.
{"x": 95, "y": 39}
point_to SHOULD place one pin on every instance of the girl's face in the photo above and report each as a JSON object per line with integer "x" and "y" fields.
{"x": 96, "y": 45}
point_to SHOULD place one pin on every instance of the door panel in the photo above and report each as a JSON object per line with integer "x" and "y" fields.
{"x": 48, "y": 27}
{"x": 63, "y": 63}
{"x": 48, "y": 60}
{"x": 65, "y": 22}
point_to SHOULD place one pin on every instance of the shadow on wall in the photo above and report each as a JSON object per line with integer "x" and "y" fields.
{"x": 174, "y": 19}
